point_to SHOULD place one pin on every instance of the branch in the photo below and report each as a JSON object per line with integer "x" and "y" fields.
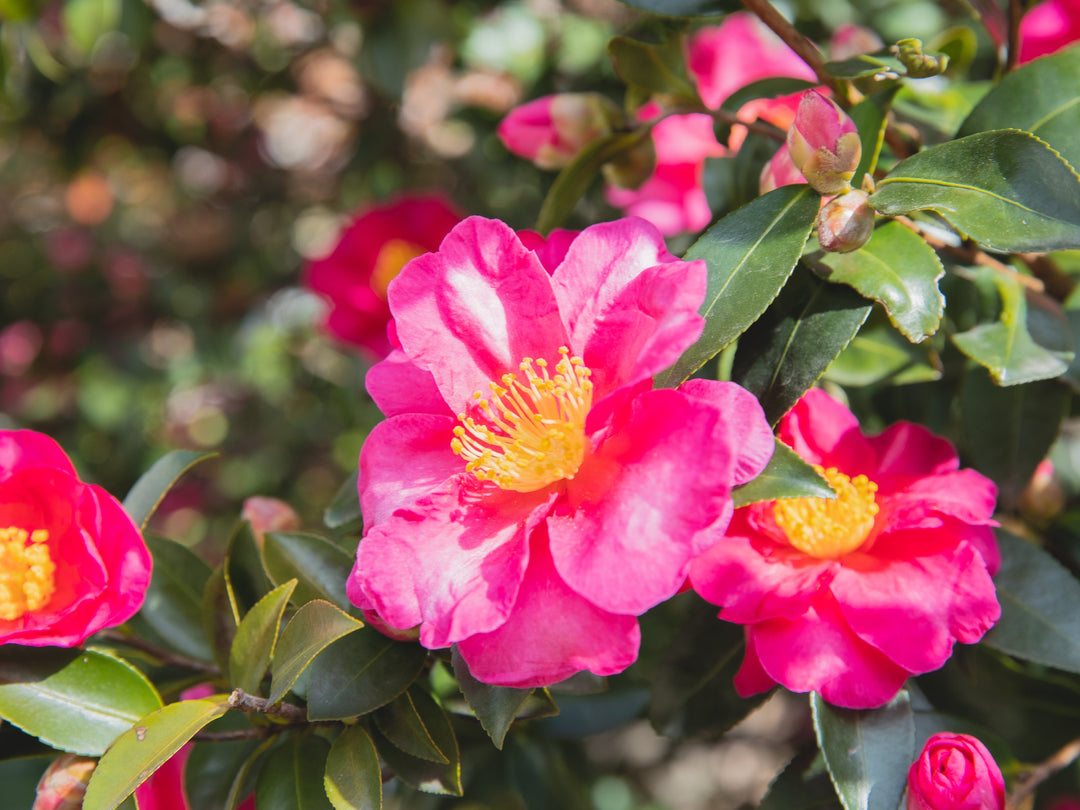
{"x": 1016, "y": 14}
{"x": 239, "y": 699}
{"x": 167, "y": 657}
{"x": 1031, "y": 778}
{"x": 806, "y": 49}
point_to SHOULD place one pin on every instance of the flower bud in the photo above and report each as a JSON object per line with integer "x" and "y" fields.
{"x": 1044, "y": 497}
{"x": 64, "y": 782}
{"x": 846, "y": 223}
{"x": 780, "y": 171}
{"x": 824, "y": 144}
{"x": 551, "y": 130}
{"x": 268, "y": 515}
{"x": 955, "y": 772}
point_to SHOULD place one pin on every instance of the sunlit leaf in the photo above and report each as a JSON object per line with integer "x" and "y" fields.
{"x": 292, "y": 778}
{"x": 174, "y": 600}
{"x": 400, "y": 722}
{"x": 423, "y": 774}
{"x": 319, "y": 566}
{"x": 353, "y": 779}
{"x": 785, "y": 476}
{"x": 154, "y": 484}
{"x": 256, "y": 638}
{"x": 311, "y": 630}
{"x": 655, "y": 68}
{"x": 494, "y": 706}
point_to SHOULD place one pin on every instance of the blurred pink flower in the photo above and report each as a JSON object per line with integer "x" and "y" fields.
{"x": 63, "y": 784}
{"x": 955, "y": 772}
{"x": 551, "y": 130}
{"x": 849, "y": 597}
{"x": 371, "y": 250}
{"x": 1049, "y": 27}
{"x": 510, "y": 498}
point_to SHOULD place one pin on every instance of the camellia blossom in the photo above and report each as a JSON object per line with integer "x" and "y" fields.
{"x": 370, "y": 251}
{"x": 955, "y": 772}
{"x": 1048, "y": 27}
{"x": 530, "y": 494}
{"x": 551, "y": 130}
{"x": 849, "y": 596}
{"x": 71, "y": 560}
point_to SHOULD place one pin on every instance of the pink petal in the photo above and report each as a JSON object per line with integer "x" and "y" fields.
{"x": 825, "y": 432}
{"x": 964, "y": 494}
{"x": 551, "y": 250}
{"x": 749, "y": 434}
{"x": 472, "y": 311}
{"x": 906, "y": 449}
{"x": 400, "y": 386}
{"x": 22, "y": 449}
{"x": 751, "y": 679}
{"x": 551, "y": 633}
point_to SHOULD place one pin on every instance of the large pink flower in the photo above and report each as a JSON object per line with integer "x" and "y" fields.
{"x": 848, "y": 597}
{"x": 370, "y": 251}
{"x": 1049, "y": 27}
{"x": 530, "y": 494}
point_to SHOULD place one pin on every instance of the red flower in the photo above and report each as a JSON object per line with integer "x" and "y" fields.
{"x": 955, "y": 772}
{"x": 848, "y": 597}
{"x": 370, "y": 252}
{"x": 71, "y": 560}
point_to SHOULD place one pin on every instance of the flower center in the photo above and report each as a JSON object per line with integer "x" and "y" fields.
{"x": 395, "y": 254}
{"x": 829, "y": 528}
{"x": 535, "y": 427}
{"x": 26, "y": 572}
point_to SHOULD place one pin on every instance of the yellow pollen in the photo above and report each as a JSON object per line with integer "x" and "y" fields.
{"x": 829, "y": 528}
{"x": 395, "y": 254}
{"x": 535, "y": 427}
{"x": 27, "y": 571}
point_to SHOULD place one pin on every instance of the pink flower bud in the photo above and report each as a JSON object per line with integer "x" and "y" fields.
{"x": 846, "y": 223}
{"x": 551, "y": 130}
{"x": 268, "y": 515}
{"x": 64, "y": 782}
{"x": 824, "y": 144}
{"x": 955, "y": 772}
{"x": 1044, "y": 496}
{"x": 780, "y": 171}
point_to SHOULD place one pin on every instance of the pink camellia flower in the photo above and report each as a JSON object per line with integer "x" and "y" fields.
{"x": 955, "y": 772}
{"x": 530, "y": 494}
{"x": 1048, "y": 27}
{"x": 371, "y": 250}
{"x": 551, "y": 130}
{"x": 780, "y": 171}
{"x": 824, "y": 144}
{"x": 71, "y": 560}
{"x": 849, "y": 596}
{"x": 63, "y": 785}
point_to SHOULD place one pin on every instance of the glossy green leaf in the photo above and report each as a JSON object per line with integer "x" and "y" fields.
{"x": 311, "y": 630}
{"x": 871, "y": 119}
{"x": 897, "y": 269}
{"x": 292, "y": 778}
{"x": 353, "y": 779}
{"x": 256, "y": 637}
{"x": 1039, "y": 97}
{"x": 749, "y": 253}
{"x": 1008, "y": 431}
{"x": 212, "y": 766}
{"x": 400, "y": 722}
{"x": 20, "y": 776}
{"x": 802, "y": 785}
{"x": 173, "y": 608}
{"x": 1005, "y": 189}
{"x": 245, "y": 576}
{"x": 684, "y": 8}
{"x": 423, "y": 774}
{"x": 1040, "y": 606}
{"x": 320, "y": 567}
{"x": 218, "y": 621}
{"x": 1008, "y": 347}
{"x": 74, "y": 700}
{"x": 788, "y": 348}
{"x": 864, "y": 66}
{"x": 878, "y": 353}
{"x": 343, "y": 513}
{"x": 360, "y": 673}
{"x": 868, "y": 752}
{"x": 655, "y": 68}
{"x": 154, "y": 484}
{"x": 785, "y": 476}
{"x": 243, "y": 784}
{"x": 141, "y": 750}
{"x": 494, "y": 706}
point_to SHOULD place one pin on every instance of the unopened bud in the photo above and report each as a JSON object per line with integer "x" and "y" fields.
{"x": 63, "y": 784}
{"x": 919, "y": 65}
{"x": 824, "y": 144}
{"x": 268, "y": 515}
{"x": 1044, "y": 497}
{"x": 551, "y": 130}
{"x": 846, "y": 223}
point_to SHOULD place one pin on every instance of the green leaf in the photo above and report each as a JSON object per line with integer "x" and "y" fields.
{"x": 320, "y": 567}
{"x": 574, "y": 180}
{"x": 897, "y": 269}
{"x": 141, "y": 750}
{"x": 174, "y": 600}
{"x": 1005, "y": 189}
{"x": 654, "y": 68}
{"x": 871, "y": 118}
{"x": 86, "y": 21}
{"x": 863, "y": 66}
{"x": 343, "y": 513}
{"x": 314, "y": 627}
{"x": 74, "y": 700}
{"x": 765, "y": 88}
{"x": 245, "y": 575}
{"x": 360, "y": 673}
{"x": 400, "y": 722}
{"x": 1008, "y": 347}
{"x": 785, "y": 476}
{"x": 20, "y": 776}
{"x": 292, "y": 778}
{"x": 749, "y": 253}
{"x": 212, "y": 766}
{"x": 494, "y": 706}
{"x": 1040, "y": 606}
{"x": 1039, "y": 97}
{"x": 868, "y": 752}
{"x": 783, "y": 354}
{"x": 353, "y": 780}
{"x": 218, "y": 621}
{"x": 423, "y": 774}
{"x": 878, "y": 353}
{"x": 685, "y": 8}
{"x": 154, "y": 484}
{"x": 1008, "y": 431}
{"x": 802, "y": 785}
{"x": 253, "y": 648}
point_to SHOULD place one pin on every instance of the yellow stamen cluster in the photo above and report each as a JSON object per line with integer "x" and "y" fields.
{"x": 27, "y": 570}
{"x": 829, "y": 528}
{"x": 395, "y": 254}
{"x": 535, "y": 427}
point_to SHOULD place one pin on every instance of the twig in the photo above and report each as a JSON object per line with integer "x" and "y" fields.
{"x": 253, "y": 733}
{"x": 763, "y": 128}
{"x": 806, "y": 49}
{"x": 1016, "y": 13}
{"x": 167, "y": 657}
{"x": 1035, "y": 776}
{"x": 241, "y": 700}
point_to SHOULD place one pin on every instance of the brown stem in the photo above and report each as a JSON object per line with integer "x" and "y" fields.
{"x": 763, "y": 128}
{"x": 806, "y": 49}
{"x": 1016, "y": 13}
{"x": 253, "y": 733}
{"x": 239, "y": 699}
{"x": 166, "y": 657}
{"x": 1033, "y": 777}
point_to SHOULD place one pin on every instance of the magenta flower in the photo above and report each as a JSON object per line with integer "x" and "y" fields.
{"x": 551, "y": 130}
{"x": 529, "y": 493}
{"x": 848, "y": 597}
{"x": 955, "y": 772}
{"x": 1048, "y": 27}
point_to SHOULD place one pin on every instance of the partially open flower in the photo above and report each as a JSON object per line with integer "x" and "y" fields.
{"x": 846, "y": 223}
{"x": 551, "y": 130}
{"x": 955, "y": 772}
{"x": 824, "y": 144}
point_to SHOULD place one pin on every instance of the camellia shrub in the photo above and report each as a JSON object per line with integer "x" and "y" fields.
{"x": 484, "y": 386}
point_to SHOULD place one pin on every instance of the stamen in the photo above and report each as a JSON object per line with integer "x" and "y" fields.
{"x": 830, "y": 528}
{"x": 27, "y": 580}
